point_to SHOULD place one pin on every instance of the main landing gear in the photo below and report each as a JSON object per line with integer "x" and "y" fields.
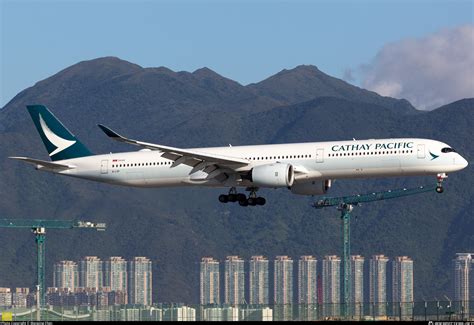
{"x": 233, "y": 196}
{"x": 440, "y": 178}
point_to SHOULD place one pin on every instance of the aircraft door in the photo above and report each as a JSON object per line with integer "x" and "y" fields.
{"x": 421, "y": 151}
{"x": 104, "y": 166}
{"x": 320, "y": 155}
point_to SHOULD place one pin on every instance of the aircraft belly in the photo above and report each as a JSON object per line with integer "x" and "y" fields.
{"x": 358, "y": 168}
{"x": 162, "y": 177}
{"x": 429, "y": 170}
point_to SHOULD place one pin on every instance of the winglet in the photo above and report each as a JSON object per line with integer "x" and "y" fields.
{"x": 109, "y": 131}
{"x": 114, "y": 135}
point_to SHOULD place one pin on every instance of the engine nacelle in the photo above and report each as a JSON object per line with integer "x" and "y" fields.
{"x": 273, "y": 175}
{"x": 311, "y": 188}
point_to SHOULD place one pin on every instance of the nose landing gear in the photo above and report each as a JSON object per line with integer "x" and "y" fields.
{"x": 440, "y": 178}
{"x": 233, "y": 196}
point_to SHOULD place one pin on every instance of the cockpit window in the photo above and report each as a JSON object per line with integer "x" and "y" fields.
{"x": 447, "y": 149}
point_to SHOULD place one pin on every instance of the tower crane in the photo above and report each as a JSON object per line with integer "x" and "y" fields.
{"x": 346, "y": 204}
{"x": 38, "y": 227}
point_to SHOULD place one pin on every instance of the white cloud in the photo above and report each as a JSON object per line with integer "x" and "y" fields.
{"x": 348, "y": 75}
{"x": 429, "y": 72}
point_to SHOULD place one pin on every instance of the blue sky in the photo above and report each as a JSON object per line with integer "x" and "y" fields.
{"x": 246, "y": 41}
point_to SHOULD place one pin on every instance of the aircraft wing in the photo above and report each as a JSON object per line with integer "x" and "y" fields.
{"x": 211, "y": 163}
{"x": 44, "y": 164}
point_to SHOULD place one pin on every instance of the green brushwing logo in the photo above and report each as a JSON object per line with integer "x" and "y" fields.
{"x": 433, "y": 156}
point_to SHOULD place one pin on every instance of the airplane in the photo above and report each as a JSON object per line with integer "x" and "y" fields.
{"x": 303, "y": 168}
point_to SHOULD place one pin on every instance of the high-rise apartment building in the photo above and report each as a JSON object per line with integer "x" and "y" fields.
{"x": 463, "y": 267}
{"x": 307, "y": 280}
{"x": 140, "y": 281}
{"x": 234, "y": 282}
{"x": 5, "y": 297}
{"x": 378, "y": 285}
{"x": 402, "y": 284}
{"x": 115, "y": 276}
{"x": 283, "y": 280}
{"x": 307, "y": 288}
{"x": 90, "y": 273}
{"x": 331, "y": 285}
{"x": 357, "y": 290}
{"x": 209, "y": 281}
{"x": 20, "y": 297}
{"x": 258, "y": 281}
{"x": 283, "y": 287}
{"x": 66, "y": 275}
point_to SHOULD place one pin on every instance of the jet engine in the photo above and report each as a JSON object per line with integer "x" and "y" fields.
{"x": 273, "y": 175}
{"x": 311, "y": 188}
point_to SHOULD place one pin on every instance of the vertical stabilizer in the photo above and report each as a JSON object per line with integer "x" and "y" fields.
{"x": 58, "y": 140}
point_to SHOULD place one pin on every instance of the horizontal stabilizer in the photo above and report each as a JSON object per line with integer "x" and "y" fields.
{"x": 43, "y": 163}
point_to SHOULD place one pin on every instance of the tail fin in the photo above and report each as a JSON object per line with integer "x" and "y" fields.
{"x": 60, "y": 143}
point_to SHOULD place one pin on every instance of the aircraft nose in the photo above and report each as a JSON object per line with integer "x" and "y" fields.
{"x": 461, "y": 162}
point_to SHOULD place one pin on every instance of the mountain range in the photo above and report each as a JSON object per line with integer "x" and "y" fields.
{"x": 176, "y": 227}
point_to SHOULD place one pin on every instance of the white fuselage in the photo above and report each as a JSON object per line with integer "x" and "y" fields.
{"x": 311, "y": 161}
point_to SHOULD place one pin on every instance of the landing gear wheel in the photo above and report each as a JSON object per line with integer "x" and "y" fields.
{"x": 244, "y": 203}
{"x": 439, "y": 189}
{"x": 223, "y": 198}
{"x": 252, "y": 201}
{"x": 261, "y": 201}
{"x": 241, "y": 197}
{"x": 232, "y": 197}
